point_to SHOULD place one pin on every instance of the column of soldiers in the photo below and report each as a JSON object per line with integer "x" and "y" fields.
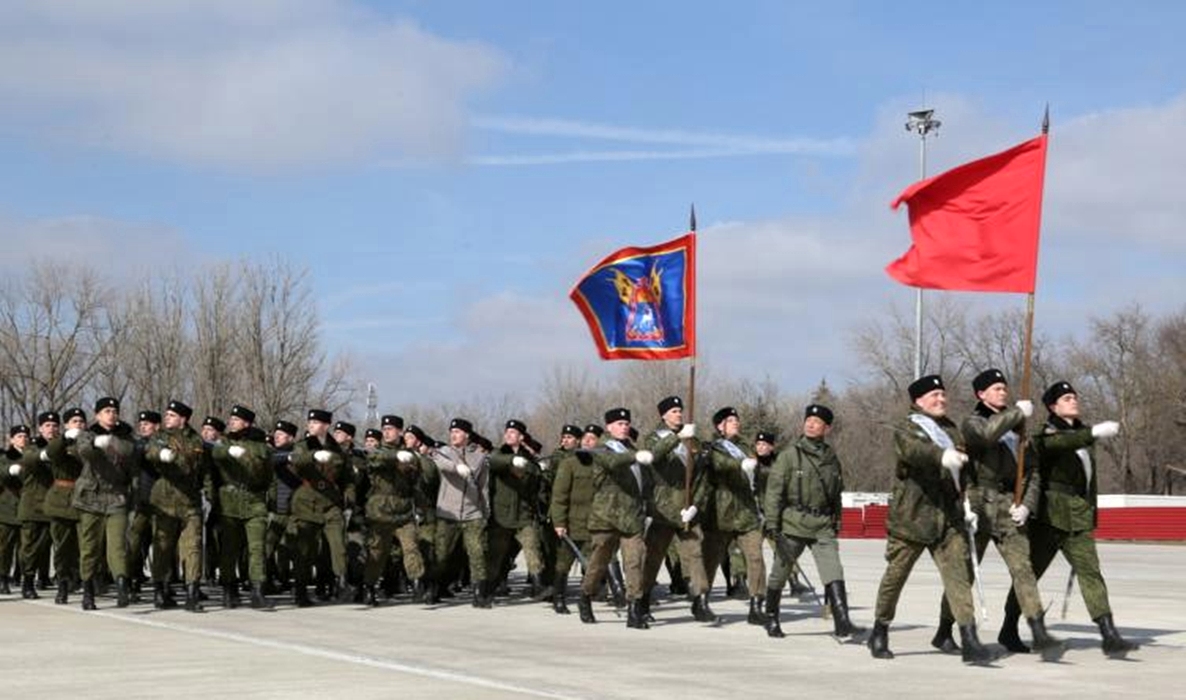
{"x": 406, "y": 514}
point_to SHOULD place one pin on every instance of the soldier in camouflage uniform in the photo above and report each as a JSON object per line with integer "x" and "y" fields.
{"x": 244, "y": 466}
{"x": 572, "y": 497}
{"x": 36, "y": 478}
{"x": 107, "y": 453}
{"x": 63, "y": 525}
{"x": 514, "y": 490}
{"x": 926, "y": 513}
{"x": 1067, "y": 511}
{"x": 425, "y": 499}
{"x": 179, "y": 458}
{"x": 354, "y": 507}
{"x": 281, "y": 531}
{"x": 617, "y": 517}
{"x": 992, "y": 434}
{"x": 140, "y": 531}
{"x": 394, "y": 473}
{"x": 463, "y": 507}
{"x": 10, "y": 523}
{"x": 733, "y": 473}
{"x": 674, "y": 513}
{"x": 803, "y": 508}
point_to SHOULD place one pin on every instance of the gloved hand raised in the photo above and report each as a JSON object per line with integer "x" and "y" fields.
{"x": 1020, "y": 513}
{"x": 236, "y": 451}
{"x": 518, "y": 462}
{"x": 322, "y": 456}
{"x": 1026, "y": 407}
{"x": 165, "y": 455}
{"x": 464, "y": 470}
{"x": 404, "y": 457}
{"x": 687, "y": 514}
{"x": 103, "y": 442}
{"x": 688, "y": 431}
{"x": 644, "y": 457}
{"x": 971, "y": 520}
{"x": 748, "y": 465}
{"x": 954, "y": 461}
{"x": 1105, "y": 429}
{"x": 72, "y": 433}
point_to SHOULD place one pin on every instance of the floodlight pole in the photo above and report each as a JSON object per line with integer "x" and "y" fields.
{"x": 921, "y": 123}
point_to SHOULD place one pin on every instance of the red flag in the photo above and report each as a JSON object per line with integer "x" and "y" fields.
{"x": 975, "y": 227}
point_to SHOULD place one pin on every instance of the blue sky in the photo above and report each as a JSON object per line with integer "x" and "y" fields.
{"x": 448, "y": 169}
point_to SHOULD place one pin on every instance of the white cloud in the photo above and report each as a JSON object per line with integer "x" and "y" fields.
{"x": 118, "y": 249}
{"x": 242, "y": 85}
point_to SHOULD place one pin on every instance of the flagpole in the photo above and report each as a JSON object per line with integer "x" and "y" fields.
{"x": 690, "y": 416}
{"x": 1027, "y": 357}
{"x": 920, "y": 122}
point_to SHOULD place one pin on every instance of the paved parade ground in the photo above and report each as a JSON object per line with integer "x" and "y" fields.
{"x": 523, "y": 649}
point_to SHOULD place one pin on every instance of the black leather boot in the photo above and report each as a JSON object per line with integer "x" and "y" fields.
{"x": 193, "y": 600}
{"x": 1008, "y": 636}
{"x": 1114, "y": 645}
{"x": 879, "y": 641}
{"x": 971, "y": 650}
{"x": 28, "y": 589}
{"x": 943, "y": 640}
{"x": 370, "y": 597}
{"x": 700, "y": 610}
{"x": 230, "y": 595}
{"x": 774, "y": 613}
{"x": 756, "y": 616}
{"x": 258, "y": 600}
{"x": 300, "y": 596}
{"x": 540, "y": 590}
{"x": 5, "y": 588}
{"x": 63, "y": 596}
{"x": 1051, "y": 648}
{"x": 585, "y": 607}
{"x": 483, "y": 594}
{"x": 88, "y": 595}
{"x": 122, "y": 592}
{"x": 838, "y": 596}
{"x": 418, "y": 590}
{"x": 344, "y": 590}
{"x": 646, "y": 606}
{"x": 634, "y": 616}
{"x": 559, "y": 605}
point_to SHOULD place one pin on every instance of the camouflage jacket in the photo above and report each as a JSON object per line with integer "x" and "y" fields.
{"x": 514, "y": 491}
{"x": 392, "y": 497}
{"x": 736, "y": 497}
{"x": 620, "y": 486}
{"x": 102, "y": 486}
{"x": 802, "y": 496}
{"x": 992, "y": 438}
{"x": 1070, "y": 475}
{"x": 324, "y": 486}
{"x": 669, "y": 475}
{"x": 243, "y": 482}
{"x": 924, "y": 502}
{"x": 177, "y": 491}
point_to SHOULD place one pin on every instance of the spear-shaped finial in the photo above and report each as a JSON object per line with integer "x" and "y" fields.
{"x": 1046, "y": 120}
{"x": 692, "y": 220}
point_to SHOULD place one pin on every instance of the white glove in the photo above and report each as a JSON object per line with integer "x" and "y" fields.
{"x": 688, "y": 431}
{"x": 44, "y": 456}
{"x": 236, "y": 451}
{"x": 103, "y": 442}
{"x": 404, "y": 456}
{"x": 1026, "y": 407}
{"x": 72, "y": 433}
{"x": 1106, "y": 429}
{"x": 519, "y": 462}
{"x": 748, "y": 465}
{"x": 464, "y": 470}
{"x": 686, "y": 514}
{"x": 954, "y": 461}
{"x": 971, "y": 520}
{"x": 1020, "y": 513}
{"x": 544, "y": 464}
{"x": 644, "y": 457}
{"x": 14, "y": 470}
{"x": 322, "y": 456}
{"x": 166, "y": 455}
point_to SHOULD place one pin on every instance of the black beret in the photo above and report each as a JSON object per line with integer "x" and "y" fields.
{"x": 822, "y": 412}
{"x": 669, "y": 403}
{"x": 570, "y": 429}
{"x": 419, "y": 433}
{"x": 106, "y": 402}
{"x": 286, "y": 427}
{"x": 722, "y": 414}
{"x": 616, "y": 414}
{"x": 239, "y": 411}
{"x": 373, "y": 433}
{"x": 180, "y": 409}
{"x": 517, "y": 425}
{"x": 766, "y": 437}
{"x": 215, "y": 422}
{"x": 987, "y": 378}
{"x": 48, "y": 417}
{"x": 392, "y": 420}
{"x": 320, "y": 414}
{"x": 532, "y": 444}
{"x": 1055, "y": 391}
{"x": 345, "y": 427}
{"x": 462, "y": 425}
{"x": 594, "y": 429}
{"x": 18, "y": 429}
{"x": 72, "y": 413}
{"x": 150, "y": 416}
{"x": 924, "y": 385}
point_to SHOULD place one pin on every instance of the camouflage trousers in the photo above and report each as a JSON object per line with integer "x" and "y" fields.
{"x": 565, "y": 557}
{"x": 139, "y": 540}
{"x": 379, "y": 545}
{"x": 10, "y": 540}
{"x": 64, "y": 534}
{"x": 1080, "y": 552}
{"x": 716, "y": 549}
{"x": 690, "y": 545}
{"x": 238, "y": 534}
{"x": 308, "y": 537}
{"x": 174, "y": 537}
{"x": 472, "y": 534}
{"x": 35, "y": 543}
{"x": 825, "y": 549}
{"x": 93, "y": 529}
{"x": 1014, "y": 547}
{"x": 500, "y": 544}
{"x": 634, "y": 555}
{"x": 950, "y": 555}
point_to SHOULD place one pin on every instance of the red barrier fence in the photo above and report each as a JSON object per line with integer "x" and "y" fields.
{"x": 1124, "y": 523}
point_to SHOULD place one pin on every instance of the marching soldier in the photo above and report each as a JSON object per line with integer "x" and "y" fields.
{"x": 673, "y": 511}
{"x": 738, "y": 517}
{"x": 211, "y": 431}
{"x": 514, "y": 489}
{"x": 179, "y": 458}
{"x": 281, "y": 532}
{"x": 100, "y": 495}
{"x": 10, "y": 523}
{"x": 462, "y": 504}
{"x": 992, "y": 436}
{"x": 394, "y": 474}
{"x": 140, "y": 531}
{"x": 803, "y": 507}
{"x": 926, "y": 513}
{"x": 572, "y": 497}
{"x": 425, "y": 499}
{"x": 36, "y": 478}
{"x": 1067, "y": 513}
{"x": 355, "y": 474}
{"x": 245, "y": 473}
{"x": 63, "y": 525}
{"x": 617, "y": 516}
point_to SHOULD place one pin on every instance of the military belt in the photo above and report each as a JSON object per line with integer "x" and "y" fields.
{"x": 817, "y": 512}
{"x": 1068, "y": 489}
{"x": 68, "y": 483}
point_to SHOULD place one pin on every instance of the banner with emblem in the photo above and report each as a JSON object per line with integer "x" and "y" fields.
{"x": 640, "y": 303}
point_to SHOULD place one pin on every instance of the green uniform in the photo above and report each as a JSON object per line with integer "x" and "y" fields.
{"x": 36, "y": 479}
{"x": 63, "y": 526}
{"x": 926, "y": 514}
{"x": 101, "y": 497}
{"x": 1067, "y": 511}
{"x": 514, "y": 492}
{"x": 176, "y": 500}
{"x": 391, "y": 511}
{"x": 243, "y": 501}
{"x": 668, "y": 498}
{"x": 802, "y": 501}
{"x": 572, "y": 498}
{"x": 317, "y": 505}
{"x": 737, "y": 513}
{"x": 10, "y": 523}
{"x": 140, "y": 527}
{"x": 279, "y": 546}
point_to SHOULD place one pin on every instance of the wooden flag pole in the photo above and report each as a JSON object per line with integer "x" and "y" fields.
{"x": 690, "y": 415}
